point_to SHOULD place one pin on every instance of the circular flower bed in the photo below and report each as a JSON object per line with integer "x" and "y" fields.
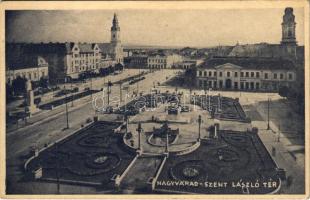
{"x": 95, "y": 141}
{"x": 239, "y": 141}
{"x": 188, "y": 170}
{"x": 91, "y": 164}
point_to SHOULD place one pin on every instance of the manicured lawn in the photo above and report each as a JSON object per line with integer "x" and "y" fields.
{"x": 218, "y": 165}
{"x": 93, "y": 155}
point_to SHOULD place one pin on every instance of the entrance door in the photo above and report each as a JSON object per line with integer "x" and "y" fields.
{"x": 228, "y": 84}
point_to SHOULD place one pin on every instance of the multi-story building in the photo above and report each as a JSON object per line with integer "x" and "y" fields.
{"x": 30, "y": 67}
{"x": 232, "y": 73}
{"x": 137, "y": 61}
{"x": 163, "y": 60}
{"x": 68, "y": 60}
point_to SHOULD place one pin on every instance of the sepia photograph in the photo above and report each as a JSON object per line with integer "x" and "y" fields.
{"x": 174, "y": 98}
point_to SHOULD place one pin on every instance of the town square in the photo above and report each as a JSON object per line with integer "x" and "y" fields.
{"x": 120, "y": 115}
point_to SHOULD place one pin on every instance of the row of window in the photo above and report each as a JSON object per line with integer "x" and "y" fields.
{"x": 243, "y": 85}
{"x": 246, "y": 74}
{"x": 164, "y": 66}
{"x": 30, "y": 75}
{"x": 76, "y": 55}
{"x": 157, "y": 60}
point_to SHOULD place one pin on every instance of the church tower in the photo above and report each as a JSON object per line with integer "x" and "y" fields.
{"x": 288, "y": 27}
{"x": 115, "y": 30}
{"x": 117, "y": 49}
{"x": 289, "y": 42}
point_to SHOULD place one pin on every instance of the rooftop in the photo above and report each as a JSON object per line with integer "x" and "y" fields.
{"x": 250, "y": 63}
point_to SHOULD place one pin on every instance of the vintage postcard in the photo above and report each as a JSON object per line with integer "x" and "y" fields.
{"x": 190, "y": 99}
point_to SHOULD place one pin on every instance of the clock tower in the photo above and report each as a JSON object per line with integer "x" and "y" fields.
{"x": 117, "y": 49}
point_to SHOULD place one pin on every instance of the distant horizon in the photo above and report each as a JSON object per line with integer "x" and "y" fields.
{"x": 152, "y": 46}
{"x": 177, "y": 28}
{"x": 185, "y": 28}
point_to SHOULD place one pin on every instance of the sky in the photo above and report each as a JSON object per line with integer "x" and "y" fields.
{"x": 195, "y": 28}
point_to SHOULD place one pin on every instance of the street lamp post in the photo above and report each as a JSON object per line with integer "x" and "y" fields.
{"x": 72, "y": 95}
{"x": 268, "y": 107}
{"x": 57, "y": 168}
{"x": 139, "y": 129}
{"x": 199, "y": 125}
{"x": 67, "y": 114}
{"x": 120, "y": 91}
{"x": 91, "y": 87}
{"x": 109, "y": 91}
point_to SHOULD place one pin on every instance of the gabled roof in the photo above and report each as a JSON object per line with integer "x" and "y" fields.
{"x": 250, "y": 63}
{"x": 86, "y": 48}
{"x": 105, "y": 47}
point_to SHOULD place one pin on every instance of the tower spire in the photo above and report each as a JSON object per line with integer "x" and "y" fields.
{"x": 115, "y": 25}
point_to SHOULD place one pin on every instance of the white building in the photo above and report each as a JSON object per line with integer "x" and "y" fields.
{"x": 30, "y": 67}
{"x": 163, "y": 60}
{"x": 235, "y": 73}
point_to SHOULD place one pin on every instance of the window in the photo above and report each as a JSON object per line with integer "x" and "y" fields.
{"x": 257, "y": 74}
{"x": 290, "y": 76}
{"x": 236, "y": 74}
{"x": 266, "y": 76}
{"x": 252, "y": 74}
{"x": 214, "y": 73}
{"x": 221, "y": 84}
{"x": 200, "y": 73}
{"x": 220, "y": 74}
{"x": 257, "y": 86}
{"x": 214, "y": 84}
{"x": 210, "y": 84}
{"x": 200, "y": 83}
{"x": 228, "y": 74}
{"x": 275, "y": 76}
{"x": 281, "y": 76}
{"x": 210, "y": 73}
{"x": 241, "y": 74}
{"x": 205, "y": 84}
{"x": 246, "y": 74}
{"x": 242, "y": 85}
{"x": 236, "y": 85}
{"x": 205, "y": 73}
{"x": 247, "y": 85}
{"x": 252, "y": 85}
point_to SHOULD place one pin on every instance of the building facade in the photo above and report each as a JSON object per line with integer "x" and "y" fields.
{"x": 32, "y": 68}
{"x": 137, "y": 61}
{"x": 69, "y": 60}
{"x": 163, "y": 61}
{"x": 245, "y": 74}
